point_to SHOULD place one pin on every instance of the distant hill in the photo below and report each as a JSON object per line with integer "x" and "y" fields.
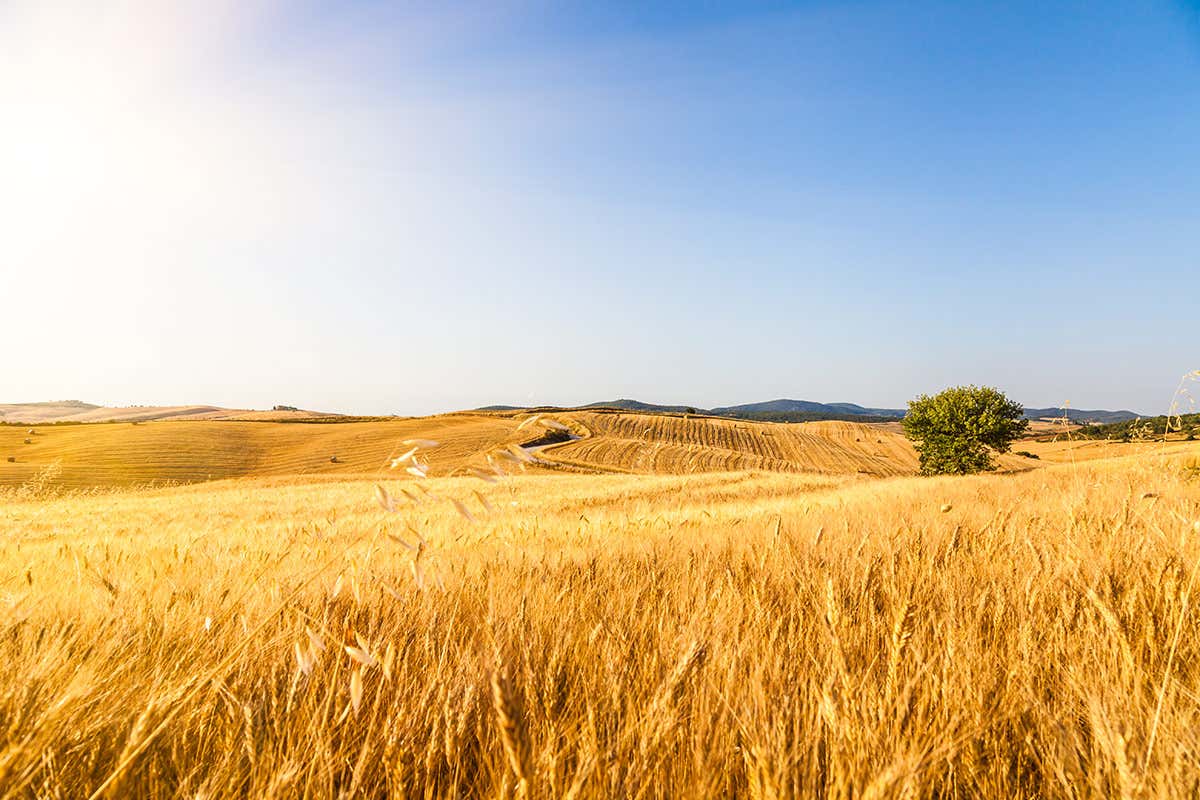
{"x": 1081, "y": 415}
{"x": 806, "y": 416}
{"x": 854, "y": 408}
{"x": 75, "y": 411}
{"x": 786, "y": 410}
{"x": 620, "y": 405}
{"x": 772, "y": 411}
{"x": 637, "y": 405}
{"x": 1143, "y": 427}
{"x": 782, "y": 410}
{"x": 809, "y": 407}
{"x": 39, "y": 412}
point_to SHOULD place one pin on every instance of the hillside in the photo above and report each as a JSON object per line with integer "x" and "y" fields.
{"x": 190, "y": 451}
{"x": 773, "y": 410}
{"x": 607, "y": 441}
{"x": 597, "y": 441}
{"x": 1178, "y": 425}
{"x": 630, "y": 442}
{"x": 44, "y": 412}
{"x": 808, "y": 407}
{"x": 785, "y": 410}
{"x": 1081, "y": 415}
{"x": 638, "y": 405}
{"x": 75, "y": 411}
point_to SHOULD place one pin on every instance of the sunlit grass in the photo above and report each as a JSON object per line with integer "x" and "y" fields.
{"x": 603, "y": 636}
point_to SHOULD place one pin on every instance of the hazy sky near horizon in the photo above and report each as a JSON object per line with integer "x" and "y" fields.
{"x": 379, "y": 207}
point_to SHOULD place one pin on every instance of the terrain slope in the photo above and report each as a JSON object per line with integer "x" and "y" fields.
{"x": 116, "y": 454}
{"x": 602, "y": 441}
{"x": 76, "y": 411}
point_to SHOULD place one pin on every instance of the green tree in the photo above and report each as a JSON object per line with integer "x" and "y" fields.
{"x": 956, "y": 431}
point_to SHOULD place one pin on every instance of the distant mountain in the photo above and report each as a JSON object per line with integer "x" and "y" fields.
{"x": 809, "y": 407}
{"x": 638, "y": 405}
{"x": 1080, "y": 415}
{"x": 854, "y": 408}
{"x": 784, "y": 410}
{"x": 619, "y": 405}
{"x": 774, "y": 410}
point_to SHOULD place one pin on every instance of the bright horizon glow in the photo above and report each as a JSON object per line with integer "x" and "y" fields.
{"x": 358, "y": 208}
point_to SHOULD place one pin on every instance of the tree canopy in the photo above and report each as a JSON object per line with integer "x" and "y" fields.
{"x": 956, "y": 431}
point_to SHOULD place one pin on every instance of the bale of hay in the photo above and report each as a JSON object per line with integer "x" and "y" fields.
{"x": 12, "y": 459}
{"x": 29, "y": 441}
{"x": 333, "y": 459}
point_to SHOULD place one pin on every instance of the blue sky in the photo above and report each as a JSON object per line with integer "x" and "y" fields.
{"x": 379, "y": 207}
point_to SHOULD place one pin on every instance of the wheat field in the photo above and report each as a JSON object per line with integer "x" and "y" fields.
{"x": 764, "y": 634}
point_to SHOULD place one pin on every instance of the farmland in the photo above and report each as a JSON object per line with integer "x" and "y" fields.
{"x": 82, "y": 456}
{"x": 188, "y": 451}
{"x": 644, "y": 605}
{"x": 762, "y": 633}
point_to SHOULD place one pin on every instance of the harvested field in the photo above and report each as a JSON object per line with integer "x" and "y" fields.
{"x": 187, "y": 451}
{"x": 115, "y": 454}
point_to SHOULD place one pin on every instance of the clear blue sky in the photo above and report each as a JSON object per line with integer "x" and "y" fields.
{"x": 376, "y": 208}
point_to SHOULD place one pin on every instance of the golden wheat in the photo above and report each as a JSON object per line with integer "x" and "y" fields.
{"x": 699, "y": 635}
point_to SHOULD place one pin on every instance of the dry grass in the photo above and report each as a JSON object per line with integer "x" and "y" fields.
{"x": 748, "y": 634}
{"x": 1066, "y": 451}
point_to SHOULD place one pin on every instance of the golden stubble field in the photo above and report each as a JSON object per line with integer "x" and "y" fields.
{"x": 123, "y": 454}
{"x": 723, "y": 634}
{"x": 187, "y": 451}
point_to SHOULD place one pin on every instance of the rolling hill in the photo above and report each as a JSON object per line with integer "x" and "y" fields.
{"x": 73, "y": 411}
{"x": 632, "y": 442}
{"x": 785, "y": 410}
{"x": 807, "y": 406}
{"x": 196, "y": 443}
{"x": 599, "y": 441}
{"x": 1081, "y": 415}
{"x": 188, "y": 451}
